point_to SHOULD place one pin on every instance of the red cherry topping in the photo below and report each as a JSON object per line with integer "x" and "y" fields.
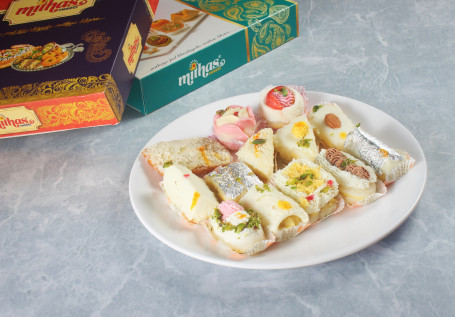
{"x": 279, "y": 97}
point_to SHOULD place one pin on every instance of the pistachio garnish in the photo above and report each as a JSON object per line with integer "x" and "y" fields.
{"x": 258, "y": 141}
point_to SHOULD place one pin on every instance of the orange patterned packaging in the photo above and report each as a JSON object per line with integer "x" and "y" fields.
{"x": 68, "y": 64}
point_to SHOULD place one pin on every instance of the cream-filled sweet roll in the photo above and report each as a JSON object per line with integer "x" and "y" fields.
{"x": 357, "y": 182}
{"x": 237, "y": 228}
{"x": 296, "y": 140}
{"x": 280, "y": 215}
{"x": 331, "y": 125}
{"x": 315, "y": 189}
{"x": 278, "y": 105}
{"x": 390, "y": 164}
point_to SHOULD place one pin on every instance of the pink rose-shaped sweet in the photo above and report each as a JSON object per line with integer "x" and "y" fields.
{"x": 233, "y": 126}
{"x": 228, "y": 207}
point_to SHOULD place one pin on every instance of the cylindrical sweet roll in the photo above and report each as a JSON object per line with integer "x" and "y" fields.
{"x": 390, "y": 164}
{"x": 280, "y": 215}
{"x": 188, "y": 193}
{"x": 237, "y": 228}
{"x": 357, "y": 182}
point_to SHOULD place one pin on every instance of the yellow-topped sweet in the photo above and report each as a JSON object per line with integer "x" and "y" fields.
{"x": 303, "y": 178}
{"x": 300, "y": 129}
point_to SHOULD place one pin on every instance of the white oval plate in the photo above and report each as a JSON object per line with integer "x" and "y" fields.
{"x": 340, "y": 235}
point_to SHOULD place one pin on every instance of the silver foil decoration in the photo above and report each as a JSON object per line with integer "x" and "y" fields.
{"x": 234, "y": 179}
{"x": 369, "y": 149}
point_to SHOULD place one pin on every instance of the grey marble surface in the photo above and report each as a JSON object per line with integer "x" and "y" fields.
{"x": 71, "y": 245}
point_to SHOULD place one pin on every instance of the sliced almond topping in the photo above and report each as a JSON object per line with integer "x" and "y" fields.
{"x": 332, "y": 121}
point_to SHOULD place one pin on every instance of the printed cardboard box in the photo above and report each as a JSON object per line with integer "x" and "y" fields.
{"x": 194, "y": 42}
{"x": 68, "y": 64}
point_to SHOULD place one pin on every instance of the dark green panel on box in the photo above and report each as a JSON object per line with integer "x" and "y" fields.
{"x": 186, "y": 75}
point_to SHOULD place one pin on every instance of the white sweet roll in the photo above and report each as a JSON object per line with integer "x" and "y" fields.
{"x": 238, "y": 229}
{"x": 279, "y": 104}
{"x": 188, "y": 193}
{"x": 390, "y": 164}
{"x": 357, "y": 182}
{"x": 280, "y": 215}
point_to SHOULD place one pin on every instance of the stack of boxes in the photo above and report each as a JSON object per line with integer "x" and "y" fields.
{"x": 74, "y": 64}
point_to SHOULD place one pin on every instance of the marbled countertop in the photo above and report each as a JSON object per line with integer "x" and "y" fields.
{"x": 71, "y": 244}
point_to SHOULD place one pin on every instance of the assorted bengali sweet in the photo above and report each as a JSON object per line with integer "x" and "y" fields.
{"x": 239, "y": 229}
{"x": 296, "y": 140}
{"x": 357, "y": 182}
{"x": 252, "y": 185}
{"x": 200, "y": 154}
{"x": 232, "y": 181}
{"x": 188, "y": 193}
{"x": 390, "y": 164}
{"x": 234, "y": 125}
{"x": 258, "y": 153}
{"x": 311, "y": 186}
{"x": 281, "y": 216}
{"x": 278, "y": 105}
{"x": 330, "y": 124}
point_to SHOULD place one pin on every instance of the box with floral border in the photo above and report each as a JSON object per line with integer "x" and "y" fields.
{"x": 193, "y": 42}
{"x": 68, "y": 64}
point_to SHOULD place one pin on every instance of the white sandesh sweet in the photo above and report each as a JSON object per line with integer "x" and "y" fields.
{"x": 311, "y": 186}
{"x": 241, "y": 230}
{"x": 357, "y": 182}
{"x": 279, "y": 104}
{"x": 296, "y": 140}
{"x": 258, "y": 153}
{"x": 188, "y": 193}
{"x": 331, "y": 125}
